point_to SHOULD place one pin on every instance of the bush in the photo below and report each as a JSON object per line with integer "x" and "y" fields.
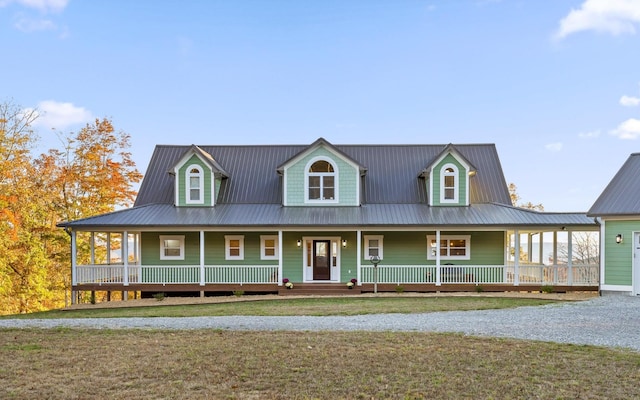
{"x": 159, "y": 296}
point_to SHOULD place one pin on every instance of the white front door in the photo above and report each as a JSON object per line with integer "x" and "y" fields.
{"x": 635, "y": 262}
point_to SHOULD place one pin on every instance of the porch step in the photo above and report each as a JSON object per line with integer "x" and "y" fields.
{"x": 319, "y": 289}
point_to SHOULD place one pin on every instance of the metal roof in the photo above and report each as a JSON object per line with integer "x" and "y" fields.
{"x": 370, "y": 215}
{"x": 622, "y": 195}
{"x": 391, "y": 177}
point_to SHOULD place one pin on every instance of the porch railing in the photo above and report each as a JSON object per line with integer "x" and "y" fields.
{"x": 182, "y": 274}
{"x": 483, "y": 274}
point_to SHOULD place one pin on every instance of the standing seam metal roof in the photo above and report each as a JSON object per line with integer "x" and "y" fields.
{"x": 391, "y": 177}
{"x": 622, "y": 194}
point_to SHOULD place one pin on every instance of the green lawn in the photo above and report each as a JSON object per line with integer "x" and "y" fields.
{"x": 300, "y": 306}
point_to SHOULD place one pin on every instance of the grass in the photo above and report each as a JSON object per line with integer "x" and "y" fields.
{"x": 300, "y": 306}
{"x": 213, "y": 364}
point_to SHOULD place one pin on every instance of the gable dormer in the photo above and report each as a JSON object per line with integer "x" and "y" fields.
{"x": 321, "y": 175}
{"x": 447, "y": 178}
{"x": 197, "y": 179}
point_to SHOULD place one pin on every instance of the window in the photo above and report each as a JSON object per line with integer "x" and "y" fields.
{"x": 268, "y": 247}
{"x": 172, "y": 247}
{"x": 451, "y": 247}
{"x": 234, "y": 247}
{"x": 195, "y": 185}
{"x": 321, "y": 182}
{"x": 372, "y": 246}
{"x": 449, "y": 184}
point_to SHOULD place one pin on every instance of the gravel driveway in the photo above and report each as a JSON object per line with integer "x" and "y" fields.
{"x": 612, "y": 321}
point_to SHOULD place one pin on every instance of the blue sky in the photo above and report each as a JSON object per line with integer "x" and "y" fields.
{"x": 554, "y": 84}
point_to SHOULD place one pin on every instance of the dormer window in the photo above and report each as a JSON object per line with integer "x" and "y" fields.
{"x": 321, "y": 180}
{"x": 195, "y": 185}
{"x": 449, "y": 184}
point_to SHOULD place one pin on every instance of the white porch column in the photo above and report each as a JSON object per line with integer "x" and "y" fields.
{"x": 438, "y": 277}
{"x": 92, "y": 247}
{"x": 555, "y": 257}
{"x": 108, "y": 248}
{"x": 125, "y": 257}
{"x": 570, "y": 258}
{"x": 74, "y": 260}
{"x": 516, "y": 263}
{"x": 540, "y": 248}
{"x": 280, "y": 251}
{"x": 202, "y": 277}
{"x": 359, "y": 256}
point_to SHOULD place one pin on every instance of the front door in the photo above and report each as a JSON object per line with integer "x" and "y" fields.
{"x": 321, "y": 260}
{"x": 636, "y": 263}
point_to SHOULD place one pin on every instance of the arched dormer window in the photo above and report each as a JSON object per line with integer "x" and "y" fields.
{"x": 449, "y": 185}
{"x": 321, "y": 182}
{"x": 195, "y": 185}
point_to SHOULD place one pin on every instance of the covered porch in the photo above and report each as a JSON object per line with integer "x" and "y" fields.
{"x": 544, "y": 259}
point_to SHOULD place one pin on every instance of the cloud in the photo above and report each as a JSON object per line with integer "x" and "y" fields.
{"x": 53, "y": 114}
{"x": 33, "y": 25}
{"x": 555, "y": 147}
{"x": 628, "y": 130}
{"x": 629, "y": 101}
{"x": 589, "y": 135}
{"x": 611, "y": 16}
{"x": 44, "y": 6}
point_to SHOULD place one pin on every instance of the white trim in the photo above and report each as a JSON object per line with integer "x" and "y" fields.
{"x": 180, "y": 239}
{"x": 617, "y": 288}
{"x": 602, "y": 256}
{"x": 380, "y": 239}
{"x": 436, "y": 256}
{"x": 187, "y": 184}
{"x": 307, "y": 274}
{"x": 635, "y": 262}
{"x": 335, "y": 174}
{"x": 456, "y": 183}
{"x": 263, "y": 247}
{"x": 202, "y": 268}
{"x": 280, "y": 258}
{"x": 227, "y": 247}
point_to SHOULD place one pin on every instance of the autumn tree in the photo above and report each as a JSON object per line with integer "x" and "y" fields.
{"x": 23, "y": 263}
{"x": 515, "y": 199}
{"x": 93, "y": 173}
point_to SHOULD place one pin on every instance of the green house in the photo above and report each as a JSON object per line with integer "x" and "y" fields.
{"x": 618, "y": 209}
{"x": 319, "y": 216}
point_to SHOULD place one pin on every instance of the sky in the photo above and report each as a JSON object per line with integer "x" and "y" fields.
{"x": 555, "y": 84}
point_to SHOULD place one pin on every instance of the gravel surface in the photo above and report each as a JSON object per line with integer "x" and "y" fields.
{"x": 612, "y": 321}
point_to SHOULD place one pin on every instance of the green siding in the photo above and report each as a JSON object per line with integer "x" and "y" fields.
{"x": 348, "y": 180}
{"x": 215, "y": 249}
{"x": 462, "y": 182}
{"x": 150, "y": 248}
{"x": 618, "y": 261}
{"x": 410, "y": 248}
{"x": 292, "y": 267}
{"x": 182, "y": 184}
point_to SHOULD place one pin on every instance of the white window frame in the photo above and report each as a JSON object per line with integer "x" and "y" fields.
{"x": 367, "y": 238}
{"x": 322, "y": 175}
{"x": 263, "y": 247}
{"x": 227, "y": 247}
{"x": 188, "y": 187}
{"x": 456, "y": 183}
{"x": 448, "y": 238}
{"x": 180, "y": 239}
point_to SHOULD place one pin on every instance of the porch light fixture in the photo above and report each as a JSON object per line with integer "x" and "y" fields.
{"x": 344, "y": 242}
{"x": 619, "y": 238}
{"x": 299, "y": 243}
